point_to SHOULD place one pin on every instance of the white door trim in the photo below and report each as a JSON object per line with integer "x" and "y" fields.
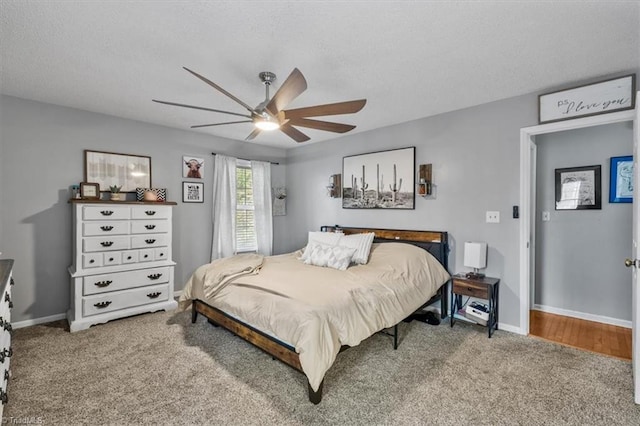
{"x": 527, "y": 137}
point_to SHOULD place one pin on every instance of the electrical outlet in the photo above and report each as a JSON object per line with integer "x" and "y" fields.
{"x": 493, "y": 217}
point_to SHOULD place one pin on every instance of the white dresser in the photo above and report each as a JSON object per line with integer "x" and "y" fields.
{"x": 6, "y": 351}
{"x": 121, "y": 261}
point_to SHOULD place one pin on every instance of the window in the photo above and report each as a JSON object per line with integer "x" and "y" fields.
{"x": 245, "y": 222}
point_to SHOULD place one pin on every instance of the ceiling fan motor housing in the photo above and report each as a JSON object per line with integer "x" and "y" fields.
{"x": 267, "y": 77}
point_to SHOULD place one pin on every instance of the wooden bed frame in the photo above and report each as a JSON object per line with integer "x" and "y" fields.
{"x": 434, "y": 242}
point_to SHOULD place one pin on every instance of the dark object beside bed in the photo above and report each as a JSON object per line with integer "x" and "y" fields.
{"x": 435, "y": 243}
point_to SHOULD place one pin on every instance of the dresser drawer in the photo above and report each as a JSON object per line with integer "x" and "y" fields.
{"x": 150, "y": 212}
{"x": 469, "y": 288}
{"x": 130, "y": 256}
{"x": 91, "y": 260}
{"x": 114, "y": 301}
{"x": 123, "y": 280}
{"x": 147, "y": 241}
{"x": 146, "y": 255}
{"x": 105, "y": 243}
{"x": 105, "y": 212}
{"x": 149, "y": 226}
{"x": 90, "y": 229}
{"x": 112, "y": 258}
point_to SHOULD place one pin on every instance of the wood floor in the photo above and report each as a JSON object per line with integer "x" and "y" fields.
{"x": 591, "y": 336}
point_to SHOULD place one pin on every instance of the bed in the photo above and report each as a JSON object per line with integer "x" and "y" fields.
{"x": 304, "y": 315}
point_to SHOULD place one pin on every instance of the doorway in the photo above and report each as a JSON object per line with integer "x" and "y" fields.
{"x": 528, "y": 149}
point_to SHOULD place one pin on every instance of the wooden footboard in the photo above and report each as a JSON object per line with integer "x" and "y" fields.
{"x": 270, "y": 345}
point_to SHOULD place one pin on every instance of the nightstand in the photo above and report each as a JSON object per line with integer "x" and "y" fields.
{"x": 482, "y": 288}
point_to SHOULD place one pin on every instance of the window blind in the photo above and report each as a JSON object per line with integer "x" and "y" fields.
{"x": 245, "y": 222}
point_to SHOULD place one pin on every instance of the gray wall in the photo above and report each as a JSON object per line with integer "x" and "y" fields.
{"x": 580, "y": 253}
{"x": 42, "y": 155}
{"x": 475, "y": 155}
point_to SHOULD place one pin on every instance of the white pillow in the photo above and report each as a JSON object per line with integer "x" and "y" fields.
{"x": 326, "y": 238}
{"x": 335, "y": 257}
{"x": 362, "y": 245}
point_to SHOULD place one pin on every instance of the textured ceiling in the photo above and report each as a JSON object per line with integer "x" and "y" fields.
{"x": 409, "y": 59}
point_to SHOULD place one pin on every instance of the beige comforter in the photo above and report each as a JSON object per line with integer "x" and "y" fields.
{"x": 316, "y": 309}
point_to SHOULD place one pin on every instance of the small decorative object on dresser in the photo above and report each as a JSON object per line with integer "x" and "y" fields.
{"x": 89, "y": 191}
{"x": 151, "y": 194}
{"x": 6, "y": 349}
{"x": 121, "y": 261}
{"x": 116, "y": 195}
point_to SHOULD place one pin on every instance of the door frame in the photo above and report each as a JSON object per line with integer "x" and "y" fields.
{"x": 527, "y": 195}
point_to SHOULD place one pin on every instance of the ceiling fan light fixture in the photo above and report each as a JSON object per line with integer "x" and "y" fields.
{"x": 267, "y": 123}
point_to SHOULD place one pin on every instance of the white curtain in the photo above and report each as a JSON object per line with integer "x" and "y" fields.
{"x": 261, "y": 172}
{"x": 224, "y": 207}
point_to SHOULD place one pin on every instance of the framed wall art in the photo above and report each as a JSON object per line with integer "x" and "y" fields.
{"x": 192, "y": 167}
{"x": 192, "y": 192}
{"x": 578, "y": 188}
{"x": 621, "y": 180}
{"x": 112, "y": 169}
{"x": 606, "y": 96}
{"x": 379, "y": 180}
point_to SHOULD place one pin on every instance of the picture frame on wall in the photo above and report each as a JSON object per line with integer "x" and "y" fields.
{"x": 578, "y": 188}
{"x": 617, "y": 94}
{"x": 379, "y": 180}
{"x": 621, "y": 179}
{"x": 192, "y": 192}
{"x": 192, "y": 167}
{"x": 108, "y": 169}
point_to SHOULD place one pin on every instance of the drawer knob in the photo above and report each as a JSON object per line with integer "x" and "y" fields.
{"x": 7, "y": 375}
{"x": 106, "y": 228}
{"x": 106, "y": 212}
{"x": 154, "y": 276}
{"x": 150, "y": 241}
{"x": 103, "y": 283}
{"x": 128, "y": 257}
{"x": 92, "y": 261}
{"x": 7, "y": 327}
{"x": 106, "y": 243}
{"x": 7, "y": 298}
{"x": 146, "y": 255}
{"x": 150, "y": 212}
{"x": 3, "y": 397}
{"x": 12, "y": 281}
{"x": 154, "y": 295}
{"x": 5, "y": 354}
{"x": 469, "y": 289}
{"x": 160, "y": 254}
{"x": 150, "y": 226}
{"x": 102, "y": 305}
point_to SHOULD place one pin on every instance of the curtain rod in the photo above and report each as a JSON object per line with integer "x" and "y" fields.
{"x": 272, "y": 162}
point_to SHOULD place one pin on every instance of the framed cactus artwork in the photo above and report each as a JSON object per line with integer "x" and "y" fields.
{"x": 379, "y": 180}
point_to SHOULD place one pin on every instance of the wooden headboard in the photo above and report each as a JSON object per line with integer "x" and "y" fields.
{"x": 435, "y": 242}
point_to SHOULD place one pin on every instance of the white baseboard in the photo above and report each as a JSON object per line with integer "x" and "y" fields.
{"x": 583, "y": 316}
{"x": 510, "y": 328}
{"x": 36, "y": 321}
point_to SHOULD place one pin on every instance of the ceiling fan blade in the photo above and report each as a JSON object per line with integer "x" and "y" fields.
{"x": 220, "y": 89}
{"x": 322, "y": 125}
{"x": 292, "y": 87}
{"x": 294, "y": 133}
{"x": 348, "y": 107}
{"x": 253, "y": 134}
{"x": 202, "y": 108}
{"x": 220, "y": 124}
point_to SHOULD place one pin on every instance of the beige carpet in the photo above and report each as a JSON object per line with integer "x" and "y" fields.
{"x": 160, "y": 369}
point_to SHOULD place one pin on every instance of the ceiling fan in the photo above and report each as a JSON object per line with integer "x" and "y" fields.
{"x": 270, "y": 113}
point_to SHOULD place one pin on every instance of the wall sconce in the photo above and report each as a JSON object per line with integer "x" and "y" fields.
{"x": 424, "y": 179}
{"x": 334, "y": 189}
